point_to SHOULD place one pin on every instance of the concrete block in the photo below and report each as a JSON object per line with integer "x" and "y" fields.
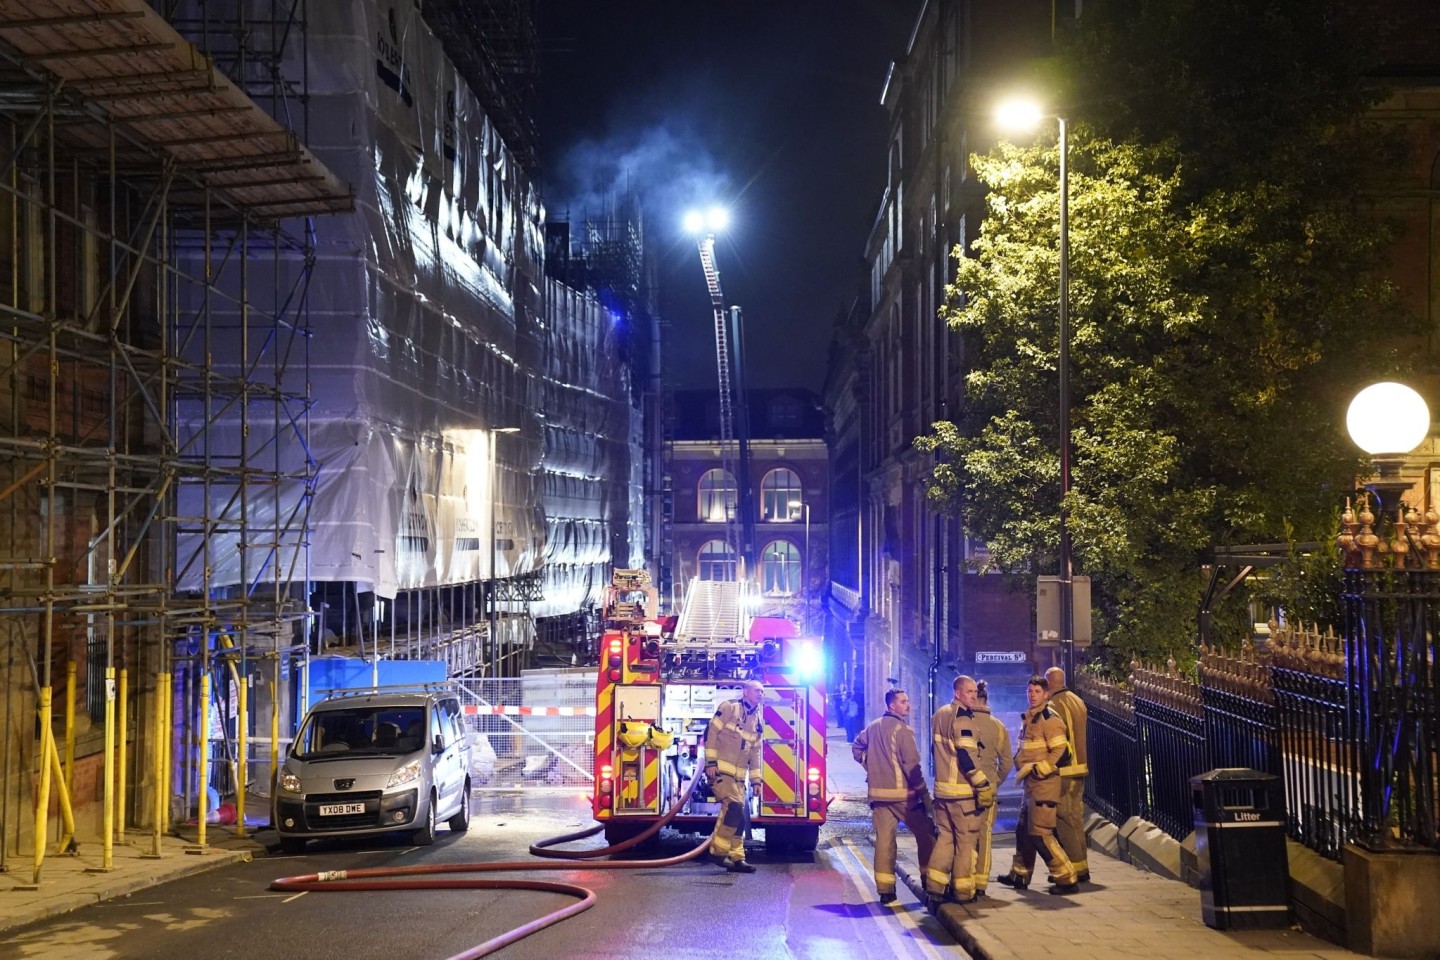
{"x": 1105, "y": 837}
{"x": 1150, "y": 847}
{"x": 1391, "y": 902}
{"x": 1189, "y": 861}
{"x": 1317, "y": 893}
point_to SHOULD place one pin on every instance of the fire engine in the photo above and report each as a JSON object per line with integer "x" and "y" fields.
{"x": 660, "y": 681}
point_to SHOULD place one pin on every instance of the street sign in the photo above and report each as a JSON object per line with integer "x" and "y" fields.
{"x": 1001, "y": 656}
{"x": 1047, "y": 611}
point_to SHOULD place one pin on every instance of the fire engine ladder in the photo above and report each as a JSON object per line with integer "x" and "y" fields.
{"x": 714, "y": 610}
{"x": 727, "y": 399}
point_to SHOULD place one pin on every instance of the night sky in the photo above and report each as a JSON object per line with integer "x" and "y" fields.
{"x": 771, "y": 106}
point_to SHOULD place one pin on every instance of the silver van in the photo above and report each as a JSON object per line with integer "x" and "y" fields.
{"x": 375, "y": 762}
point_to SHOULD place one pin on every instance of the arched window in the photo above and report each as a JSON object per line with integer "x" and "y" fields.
{"x": 780, "y": 568}
{"x": 717, "y": 561}
{"x": 780, "y": 495}
{"x": 717, "y": 496}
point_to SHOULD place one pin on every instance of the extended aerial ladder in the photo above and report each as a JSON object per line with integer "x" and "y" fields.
{"x": 734, "y": 429}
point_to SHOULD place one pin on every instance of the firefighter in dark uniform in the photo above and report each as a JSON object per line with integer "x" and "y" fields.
{"x": 959, "y": 780}
{"x": 1037, "y": 766}
{"x": 896, "y": 788}
{"x": 1073, "y": 711}
{"x": 993, "y": 741}
{"x": 733, "y": 750}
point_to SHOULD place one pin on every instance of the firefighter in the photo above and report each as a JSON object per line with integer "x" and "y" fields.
{"x": 1037, "y": 766}
{"x": 732, "y": 750}
{"x": 958, "y": 779}
{"x": 993, "y": 741}
{"x": 1073, "y": 711}
{"x": 896, "y": 788}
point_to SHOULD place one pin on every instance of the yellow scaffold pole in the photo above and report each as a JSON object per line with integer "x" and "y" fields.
{"x": 202, "y": 798}
{"x": 274, "y": 738}
{"x": 122, "y": 754}
{"x": 167, "y": 740}
{"x": 107, "y": 818}
{"x": 70, "y": 726}
{"x": 242, "y": 758}
{"x": 42, "y": 802}
{"x": 157, "y": 767}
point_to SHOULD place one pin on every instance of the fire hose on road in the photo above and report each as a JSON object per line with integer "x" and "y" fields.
{"x": 381, "y": 878}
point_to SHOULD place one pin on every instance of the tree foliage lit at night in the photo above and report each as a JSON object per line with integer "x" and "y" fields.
{"x": 1223, "y": 308}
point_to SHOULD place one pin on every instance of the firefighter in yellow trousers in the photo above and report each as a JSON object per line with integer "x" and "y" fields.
{"x": 896, "y": 788}
{"x": 994, "y": 758}
{"x": 732, "y": 750}
{"x": 1071, "y": 830}
{"x": 962, "y": 791}
{"x": 1037, "y": 766}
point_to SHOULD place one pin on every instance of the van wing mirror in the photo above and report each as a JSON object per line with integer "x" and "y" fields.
{"x": 437, "y": 744}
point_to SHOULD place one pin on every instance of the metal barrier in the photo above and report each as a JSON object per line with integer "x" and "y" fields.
{"x": 535, "y": 731}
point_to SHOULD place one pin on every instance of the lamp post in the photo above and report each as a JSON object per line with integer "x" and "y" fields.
{"x": 1026, "y": 114}
{"x": 1387, "y": 420}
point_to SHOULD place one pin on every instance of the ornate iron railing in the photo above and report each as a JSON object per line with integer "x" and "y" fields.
{"x": 1350, "y": 722}
{"x": 1113, "y": 742}
{"x": 1171, "y": 721}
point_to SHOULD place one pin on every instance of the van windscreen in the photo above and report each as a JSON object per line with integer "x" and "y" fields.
{"x": 362, "y": 729}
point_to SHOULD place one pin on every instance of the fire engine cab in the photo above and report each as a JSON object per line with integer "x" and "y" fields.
{"x": 661, "y": 680}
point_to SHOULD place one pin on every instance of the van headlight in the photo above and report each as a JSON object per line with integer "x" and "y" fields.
{"x": 411, "y": 771}
{"x": 289, "y": 782}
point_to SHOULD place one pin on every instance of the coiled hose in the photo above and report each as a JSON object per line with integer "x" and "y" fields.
{"x": 370, "y": 878}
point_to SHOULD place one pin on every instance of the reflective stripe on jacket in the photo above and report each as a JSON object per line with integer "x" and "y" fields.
{"x": 886, "y": 749}
{"x": 732, "y": 741}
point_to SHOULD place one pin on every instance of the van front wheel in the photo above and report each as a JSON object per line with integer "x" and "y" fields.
{"x": 425, "y": 836}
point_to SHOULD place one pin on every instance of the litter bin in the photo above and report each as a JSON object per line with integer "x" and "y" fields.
{"x": 1240, "y": 843}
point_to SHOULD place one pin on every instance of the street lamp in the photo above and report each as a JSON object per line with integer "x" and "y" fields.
{"x": 1387, "y": 420}
{"x": 1026, "y": 114}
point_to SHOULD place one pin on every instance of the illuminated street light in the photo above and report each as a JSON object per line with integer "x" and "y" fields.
{"x": 1387, "y": 421}
{"x": 1026, "y": 114}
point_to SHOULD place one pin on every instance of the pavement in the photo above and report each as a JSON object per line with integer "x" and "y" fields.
{"x": 1124, "y": 912}
{"x": 70, "y": 881}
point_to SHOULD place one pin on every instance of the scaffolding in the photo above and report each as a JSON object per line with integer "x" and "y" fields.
{"x": 147, "y": 183}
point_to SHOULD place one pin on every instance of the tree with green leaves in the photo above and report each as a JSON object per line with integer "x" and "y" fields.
{"x": 1225, "y": 303}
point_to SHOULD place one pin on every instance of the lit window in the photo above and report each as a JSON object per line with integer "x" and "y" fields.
{"x": 717, "y": 496}
{"x": 717, "y": 561}
{"x": 780, "y": 496}
{"x": 780, "y": 569}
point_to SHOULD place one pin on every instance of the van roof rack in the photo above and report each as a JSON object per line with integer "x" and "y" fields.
{"x": 337, "y": 693}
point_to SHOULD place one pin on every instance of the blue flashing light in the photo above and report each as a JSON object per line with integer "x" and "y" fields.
{"x": 809, "y": 661}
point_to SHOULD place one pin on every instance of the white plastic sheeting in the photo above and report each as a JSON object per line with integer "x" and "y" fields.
{"x": 459, "y": 428}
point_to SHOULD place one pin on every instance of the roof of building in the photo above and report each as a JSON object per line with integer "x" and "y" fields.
{"x": 775, "y": 414}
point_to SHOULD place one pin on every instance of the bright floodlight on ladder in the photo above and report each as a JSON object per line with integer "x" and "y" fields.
{"x": 710, "y": 220}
